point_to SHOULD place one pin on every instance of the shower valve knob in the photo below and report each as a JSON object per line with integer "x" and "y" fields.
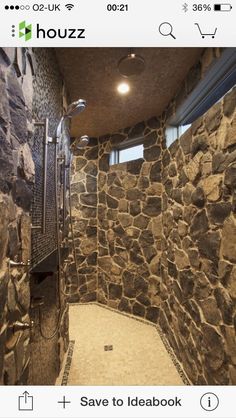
{"x": 22, "y": 326}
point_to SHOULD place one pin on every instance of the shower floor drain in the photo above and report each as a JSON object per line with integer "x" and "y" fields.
{"x": 108, "y": 347}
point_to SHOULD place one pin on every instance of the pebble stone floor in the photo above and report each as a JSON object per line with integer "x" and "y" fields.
{"x": 139, "y": 356}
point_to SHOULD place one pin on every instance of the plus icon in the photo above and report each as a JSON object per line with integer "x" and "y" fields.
{"x": 64, "y": 402}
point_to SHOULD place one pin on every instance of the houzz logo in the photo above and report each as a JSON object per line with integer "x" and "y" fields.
{"x": 51, "y": 33}
{"x": 25, "y": 30}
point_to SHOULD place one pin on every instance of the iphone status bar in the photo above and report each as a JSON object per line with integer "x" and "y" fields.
{"x": 103, "y": 23}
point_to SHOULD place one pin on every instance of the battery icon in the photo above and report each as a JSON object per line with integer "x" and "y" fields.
{"x": 222, "y": 7}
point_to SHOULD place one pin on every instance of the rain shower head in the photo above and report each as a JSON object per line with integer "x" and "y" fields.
{"x": 75, "y": 108}
{"x": 80, "y": 142}
{"x": 130, "y": 65}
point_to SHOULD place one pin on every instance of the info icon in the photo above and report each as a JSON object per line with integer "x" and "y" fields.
{"x": 209, "y": 401}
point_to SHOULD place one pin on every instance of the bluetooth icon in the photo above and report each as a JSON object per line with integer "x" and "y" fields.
{"x": 185, "y": 7}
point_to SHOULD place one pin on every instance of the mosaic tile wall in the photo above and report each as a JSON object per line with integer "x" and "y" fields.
{"x": 47, "y": 102}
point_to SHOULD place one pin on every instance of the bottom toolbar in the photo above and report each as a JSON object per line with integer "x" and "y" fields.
{"x": 117, "y": 401}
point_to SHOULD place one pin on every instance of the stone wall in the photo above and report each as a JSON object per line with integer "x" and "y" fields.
{"x": 16, "y": 179}
{"x": 130, "y": 224}
{"x": 17, "y": 175}
{"x": 84, "y": 173}
{"x": 198, "y": 312}
{"x": 166, "y": 232}
{"x": 47, "y": 355}
{"x": 117, "y": 224}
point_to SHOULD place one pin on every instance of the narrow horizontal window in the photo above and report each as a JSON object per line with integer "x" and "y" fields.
{"x": 218, "y": 81}
{"x": 126, "y": 154}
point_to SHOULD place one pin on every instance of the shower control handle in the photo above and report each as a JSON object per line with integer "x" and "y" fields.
{"x": 12, "y": 263}
{"x": 22, "y": 326}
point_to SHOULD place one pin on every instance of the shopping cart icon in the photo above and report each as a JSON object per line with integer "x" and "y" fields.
{"x": 206, "y": 34}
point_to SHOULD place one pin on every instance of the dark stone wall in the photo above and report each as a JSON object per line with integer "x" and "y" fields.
{"x": 198, "y": 259}
{"x": 82, "y": 285}
{"x": 130, "y": 224}
{"x": 47, "y": 355}
{"x": 22, "y": 74}
{"x": 166, "y": 232}
{"x": 16, "y": 180}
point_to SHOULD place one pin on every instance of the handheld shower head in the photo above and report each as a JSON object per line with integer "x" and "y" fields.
{"x": 80, "y": 142}
{"x": 75, "y": 108}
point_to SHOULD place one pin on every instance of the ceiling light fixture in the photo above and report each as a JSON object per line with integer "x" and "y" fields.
{"x": 123, "y": 88}
{"x": 131, "y": 65}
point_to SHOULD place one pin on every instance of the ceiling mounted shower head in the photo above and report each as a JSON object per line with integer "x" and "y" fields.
{"x": 75, "y": 108}
{"x": 131, "y": 64}
{"x": 80, "y": 142}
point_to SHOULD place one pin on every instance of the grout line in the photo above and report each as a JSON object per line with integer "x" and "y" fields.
{"x": 168, "y": 348}
{"x": 145, "y": 321}
{"x": 173, "y": 357}
{"x": 65, "y": 377}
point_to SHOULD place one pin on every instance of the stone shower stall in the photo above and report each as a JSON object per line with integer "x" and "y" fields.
{"x": 155, "y": 238}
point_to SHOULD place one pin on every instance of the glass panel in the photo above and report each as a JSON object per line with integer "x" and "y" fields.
{"x": 130, "y": 154}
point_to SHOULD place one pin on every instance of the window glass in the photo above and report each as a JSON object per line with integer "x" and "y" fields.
{"x": 127, "y": 154}
{"x": 130, "y": 154}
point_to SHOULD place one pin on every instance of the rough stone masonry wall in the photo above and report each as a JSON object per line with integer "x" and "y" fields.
{"x": 130, "y": 224}
{"x": 192, "y": 294}
{"x": 198, "y": 312}
{"x": 17, "y": 174}
{"x": 16, "y": 179}
{"x": 83, "y": 287}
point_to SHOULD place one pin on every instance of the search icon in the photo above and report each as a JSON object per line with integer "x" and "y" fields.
{"x": 166, "y": 29}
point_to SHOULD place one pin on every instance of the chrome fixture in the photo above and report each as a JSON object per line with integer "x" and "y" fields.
{"x": 22, "y": 326}
{"x": 13, "y": 331}
{"x": 130, "y": 65}
{"x": 35, "y": 227}
{"x": 80, "y": 142}
{"x": 75, "y": 108}
{"x": 62, "y": 130}
{"x": 12, "y": 263}
{"x": 44, "y": 124}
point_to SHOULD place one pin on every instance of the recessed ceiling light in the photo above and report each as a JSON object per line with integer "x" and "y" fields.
{"x": 123, "y": 88}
